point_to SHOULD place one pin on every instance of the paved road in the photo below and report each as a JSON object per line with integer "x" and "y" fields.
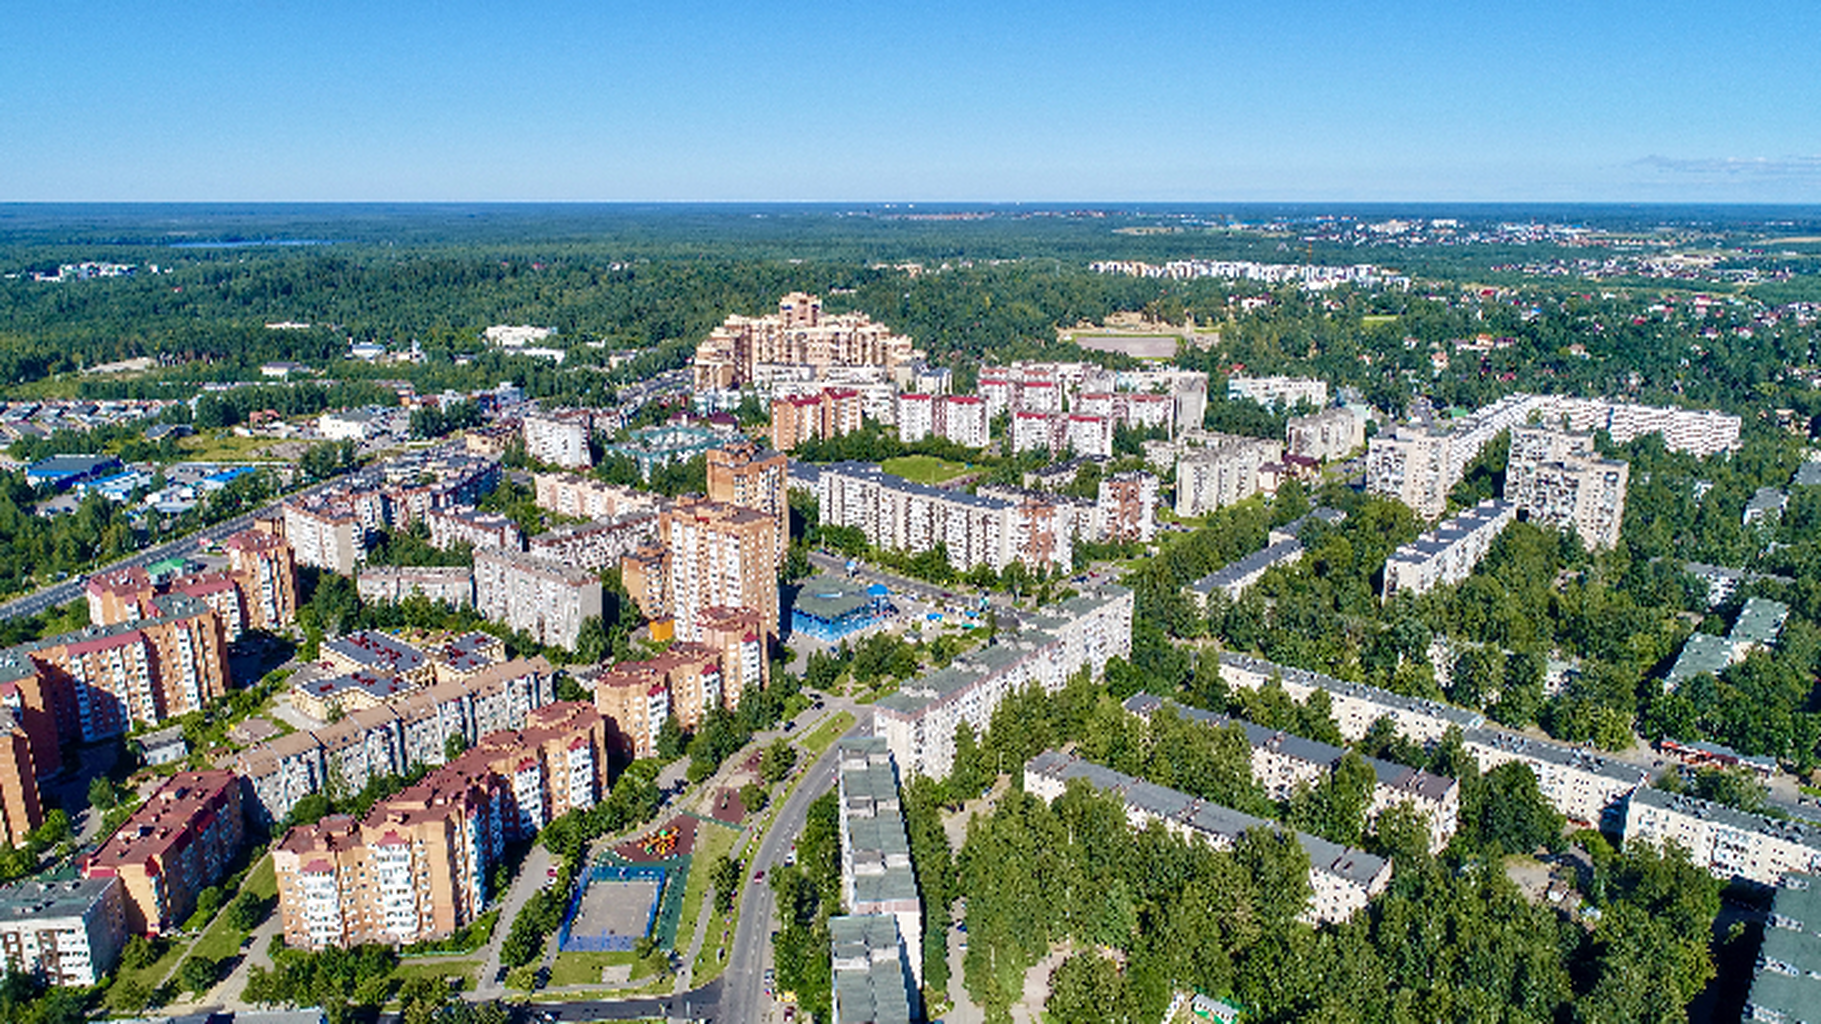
{"x": 69, "y": 590}
{"x": 743, "y": 996}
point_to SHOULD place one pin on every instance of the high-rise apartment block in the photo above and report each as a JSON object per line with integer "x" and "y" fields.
{"x": 685, "y": 682}
{"x": 709, "y": 554}
{"x": 68, "y": 933}
{"x": 828, "y": 413}
{"x": 739, "y": 634}
{"x": 560, "y": 437}
{"x": 1058, "y": 432}
{"x": 257, "y": 590}
{"x": 448, "y": 584}
{"x": 597, "y": 544}
{"x": 181, "y": 841}
{"x": 738, "y": 352}
{"x": 1555, "y": 478}
{"x": 1329, "y": 434}
{"x": 1224, "y": 472}
{"x": 1126, "y": 508}
{"x": 325, "y": 536}
{"x": 752, "y": 477}
{"x": 1448, "y": 553}
{"x": 21, "y": 809}
{"x": 974, "y": 529}
{"x": 876, "y": 872}
{"x": 547, "y": 599}
{"x": 92, "y": 685}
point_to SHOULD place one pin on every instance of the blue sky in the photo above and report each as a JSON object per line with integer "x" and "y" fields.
{"x": 936, "y": 100}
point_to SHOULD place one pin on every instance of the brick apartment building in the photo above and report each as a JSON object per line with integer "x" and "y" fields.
{"x": 182, "y": 841}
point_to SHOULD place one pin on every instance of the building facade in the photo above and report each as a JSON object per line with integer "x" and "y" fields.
{"x": 183, "y": 840}
{"x": 560, "y": 437}
{"x": 69, "y": 932}
{"x": 547, "y": 599}
{"x": 1447, "y": 554}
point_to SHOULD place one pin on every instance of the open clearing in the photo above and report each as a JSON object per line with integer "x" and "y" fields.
{"x": 923, "y": 469}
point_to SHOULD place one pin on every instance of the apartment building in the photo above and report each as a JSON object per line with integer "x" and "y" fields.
{"x": 907, "y": 516}
{"x": 799, "y": 334}
{"x": 1579, "y": 783}
{"x": 1329, "y": 434}
{"x": 1224, "y": 472}
{"x": 739, "y": 634}
{"x": 828, "y": 413}
{"x": 560, "y": 437}
{"x": 572, "y": 495}
{"x": 449, "y": 584}
{"x": 1729, "y": 843}
{"x": 713, "y": 555}
{"x": 1759, "y": 624}
{"x": 546, "y": 599}
{"x": 68, "y": 932}
{"x": 756, "y": 478}
{"x": 599, "y": 543}
{"x": 870, "y": 963}
{"x": 918, "y": 722}
{"x": 463, "y": 524}
{"x": 265, "y": 568}
{"x": 876, "y": 872}
{"x": 21, "y": 809}
{"x": 1126, "y": 507}
{"x": 1342, "y": 879}
{"x": 958, "y": 418}
{"x": 413, "y": 728}
{"x": 1282, "y": 763}
{"x": 180, "y": 842}
{"x": 637, "y": 697}
{"x": 325, "y": 536}
{"x": 1447, "y": 554}
{"x": 1355, "y": 706}
{"x": 1057, "y": 432}
{"x": 1283, "y": 392}
{"x": 1556, "y": 479}
{"x": 1786, "y": 983}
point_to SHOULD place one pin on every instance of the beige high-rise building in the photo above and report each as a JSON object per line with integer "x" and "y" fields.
{"x": 830, "y": 413}
{"x": 800, "y": 334}
{"x": 20, "y": 809}
{"x": 1555, "y": 478}
{"x": 420, "y": 864}
{"x": 756, "y": 478}
{"x": 182, "y": 841}
{"x": 739, "y": 634}
{"x": 637, "y": 697}
{"x": 717, "y": 555}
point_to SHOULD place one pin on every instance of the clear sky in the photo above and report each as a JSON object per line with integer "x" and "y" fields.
{"x": 628, "y": 100}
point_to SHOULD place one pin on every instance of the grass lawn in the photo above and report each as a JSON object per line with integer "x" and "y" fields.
{"x": 923, "y": 469}
{"x": 1384, "y": 318}
{"x": 223, "y": 940}
{"x": 223, "y": 446}
{"x": 582, "y": 968}
{"x": 827, "y": 733}
{"x": 463, "y": 969}
{"x": 712, "y": 843}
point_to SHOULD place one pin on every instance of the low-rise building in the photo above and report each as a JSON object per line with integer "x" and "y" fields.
{"x": 1447, "y": 554}
{"x": 1579, "y": 783}
{"x": 68, "y": 932}
{"x": 1786, "y": 983}
{"x": 1729, "y": 843}
{"x": 1342, "y": 879}
{"x": 449, "y": 584}
{"x": 1355, "y": 706}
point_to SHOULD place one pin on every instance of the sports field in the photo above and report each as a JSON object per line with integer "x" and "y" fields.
{"x": 924, "y": 469}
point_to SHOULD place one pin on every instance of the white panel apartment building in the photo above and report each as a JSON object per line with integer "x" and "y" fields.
{"x": 1058, "y": 432}
{"x": 560, "y": 437}
{"x": 1418, "y": 465}
{"x": 1282, "y": 762}
{"x": 958, "y": 418}
{"x": 598, "y": 544}
{"x": 1223, "y": 473}
{"x": 1581, "y": 784}
{"x": 1278, "y": 391}
{"x": 1555, "y": 478}
{"x": 545, "y": 598}
{"x": 1325, "y": 435}
{"x": 71, "y": 931}
{"x": 1355, "y": 705}
{"x": 1343, "y": 879}
{"x": 450, "y": 584}
{"x": 325, "y": 536}
{"x": 1448, "y": 553}
{"x": 904, "y": 515}
{"x": 876, "y": 872}
{"x": 919, "y": 721}
{"x": 1727, "y": 842}
{"x": 468, "y": 525}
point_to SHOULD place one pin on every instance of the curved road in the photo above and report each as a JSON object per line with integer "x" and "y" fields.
{"x": 738, "y": 994}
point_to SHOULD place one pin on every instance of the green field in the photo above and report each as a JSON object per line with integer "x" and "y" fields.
{"x": 825, "y": 734}
{"x": 712, "y": 842}
{"x": 924, "y": 469}
{"x": 584, "y": 968}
